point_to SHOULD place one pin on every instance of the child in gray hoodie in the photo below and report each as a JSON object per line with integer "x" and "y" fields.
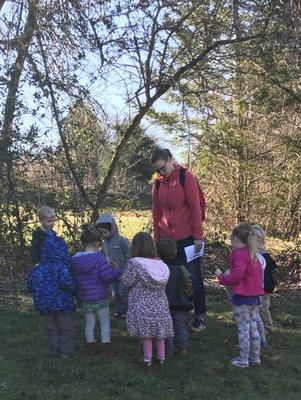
{"x": 117, "y": 250}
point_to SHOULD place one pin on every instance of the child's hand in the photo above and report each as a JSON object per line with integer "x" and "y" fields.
{"x": 112, "y": 263}
{"x": 218, "y": 272}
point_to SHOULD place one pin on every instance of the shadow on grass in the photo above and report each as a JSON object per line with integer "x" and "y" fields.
{"x": 27, "y": 373}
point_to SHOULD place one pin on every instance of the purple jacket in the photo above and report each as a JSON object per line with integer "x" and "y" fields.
{"x": 93, "y": 274}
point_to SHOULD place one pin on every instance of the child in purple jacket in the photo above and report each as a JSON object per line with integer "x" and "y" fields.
{"x": 93, "y": 274}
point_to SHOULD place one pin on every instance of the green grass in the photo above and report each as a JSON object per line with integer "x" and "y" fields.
{"x": 27, "y": 373}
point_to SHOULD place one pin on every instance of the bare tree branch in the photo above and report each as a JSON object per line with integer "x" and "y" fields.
{"x": 60, "y": 129}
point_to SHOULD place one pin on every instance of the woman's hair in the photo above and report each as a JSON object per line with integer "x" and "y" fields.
{"x": 143, "y": 246}
{"x": 160, "y": 154}
{"x": 90, "y": 234}
{"x": 256, "y": 235}
{"x": 249, "y": 235}
{"x": 167, "y": 248}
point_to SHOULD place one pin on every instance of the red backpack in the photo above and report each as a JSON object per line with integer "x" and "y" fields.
{"x": 182, "y": 181}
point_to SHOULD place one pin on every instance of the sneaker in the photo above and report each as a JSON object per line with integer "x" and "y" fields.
{"x": 160, "y": 362}
{"x": 183, "y": 353}
{"x": 257, "y": 362}
{"x": 71, "y": 355}
{"x": 146, "y": 364}
{"x": 198, "y": 324}
{"x": 238, "y": 363}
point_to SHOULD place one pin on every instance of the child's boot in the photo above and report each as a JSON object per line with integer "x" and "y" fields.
{"x": 106, "y": 350}
{"x": 91, "y": 349}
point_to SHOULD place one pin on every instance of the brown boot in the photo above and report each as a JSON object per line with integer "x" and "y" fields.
{"x": 106, "y": 350}
{"x": 91, "y": 350}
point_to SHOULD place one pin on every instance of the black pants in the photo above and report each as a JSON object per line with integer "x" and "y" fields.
{"x": 194, "y": 269}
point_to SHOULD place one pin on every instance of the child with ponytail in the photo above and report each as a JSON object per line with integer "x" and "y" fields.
{"x": 246, "y": 281}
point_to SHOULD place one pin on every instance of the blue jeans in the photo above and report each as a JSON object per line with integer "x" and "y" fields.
{"x": 194, "y": 269}
{"x": 180, "y": 340}
{"x": 120, "y": 295}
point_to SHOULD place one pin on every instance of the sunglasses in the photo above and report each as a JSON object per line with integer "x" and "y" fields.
{"x": 161, "y": 169}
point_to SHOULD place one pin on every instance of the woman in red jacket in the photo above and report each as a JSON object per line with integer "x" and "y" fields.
{"x": 177, "y": 214}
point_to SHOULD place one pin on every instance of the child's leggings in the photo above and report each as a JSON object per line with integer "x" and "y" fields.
{"x": 248, "y": 335}
{"x": 261, "y": 331}
{"x": 148, "y": 347}
{"x": 104, "y": 321}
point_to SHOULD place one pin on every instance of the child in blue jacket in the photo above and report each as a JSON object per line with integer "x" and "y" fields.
{"x": 52, "y": 285}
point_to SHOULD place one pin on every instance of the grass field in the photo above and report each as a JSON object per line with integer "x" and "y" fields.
{"x": 27, "y": 373}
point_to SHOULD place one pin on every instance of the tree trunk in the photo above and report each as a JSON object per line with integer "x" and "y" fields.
{"x": 6, "y": 139}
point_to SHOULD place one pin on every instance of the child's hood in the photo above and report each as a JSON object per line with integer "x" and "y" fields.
{"x": 84, "y": 262}
{"x": 107, "y": 218}
{"x": 157, "y": 269}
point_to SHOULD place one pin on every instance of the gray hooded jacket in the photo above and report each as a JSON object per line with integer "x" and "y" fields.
{"x": 117, "y": 248}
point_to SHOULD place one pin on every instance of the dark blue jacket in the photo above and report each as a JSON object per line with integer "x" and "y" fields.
{"x": 51, "y": 282}
{"x": 176, "y": 288}
{"x": 269, "y": 283}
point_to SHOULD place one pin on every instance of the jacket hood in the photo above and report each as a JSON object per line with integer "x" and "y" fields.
{"x": 157, "y": 269}
{"x": 108, "y": 218}
{"x": 84, "y": 262}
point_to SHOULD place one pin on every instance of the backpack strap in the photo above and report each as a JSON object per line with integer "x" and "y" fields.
{"x": 182, "y": 176}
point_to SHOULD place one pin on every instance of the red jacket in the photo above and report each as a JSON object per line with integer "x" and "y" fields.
{"x": 245, "y": 275}
{"x": 176, "y": 210}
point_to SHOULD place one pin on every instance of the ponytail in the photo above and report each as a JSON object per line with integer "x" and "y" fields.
{"x": 256, "y": 235}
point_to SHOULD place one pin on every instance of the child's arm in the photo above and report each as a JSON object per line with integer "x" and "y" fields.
{"x": 107, "y": 273}
{"x": 66, "y": 280}
{"x": 129, "y": 276}
{"x": 237, "y": 271}
{"x": 126, "y": 249}
{"x": 188, "y": 287}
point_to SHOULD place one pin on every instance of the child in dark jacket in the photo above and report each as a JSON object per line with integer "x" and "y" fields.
{"x": 52, "y": 285}
{"x": 117, "y": 250}
{"x": 178, "y": 288}
{"x": 93, "y": 274}
{"x": 269, "y": 286}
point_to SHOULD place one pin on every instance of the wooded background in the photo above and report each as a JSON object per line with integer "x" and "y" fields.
{"x": 218, "y": 79}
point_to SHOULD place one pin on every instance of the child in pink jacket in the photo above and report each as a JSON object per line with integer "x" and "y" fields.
{"x": 245, "y": 278}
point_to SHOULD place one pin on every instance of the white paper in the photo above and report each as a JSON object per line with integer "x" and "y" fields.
{"x": 191, "y": 254}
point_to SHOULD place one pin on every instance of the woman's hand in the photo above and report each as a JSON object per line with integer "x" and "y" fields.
{"x": 197, "y": 245}
{"x": 218, "y": 272}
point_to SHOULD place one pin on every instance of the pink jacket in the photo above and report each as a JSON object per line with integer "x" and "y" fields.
{"x": 177, "y": 213}
{"x": 245, "y": 275}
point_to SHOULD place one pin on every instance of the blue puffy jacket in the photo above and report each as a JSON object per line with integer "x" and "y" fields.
{"x": 51, "y": 282}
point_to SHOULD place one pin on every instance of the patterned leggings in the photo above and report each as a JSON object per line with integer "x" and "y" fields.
{"x": 248, "y": 335}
